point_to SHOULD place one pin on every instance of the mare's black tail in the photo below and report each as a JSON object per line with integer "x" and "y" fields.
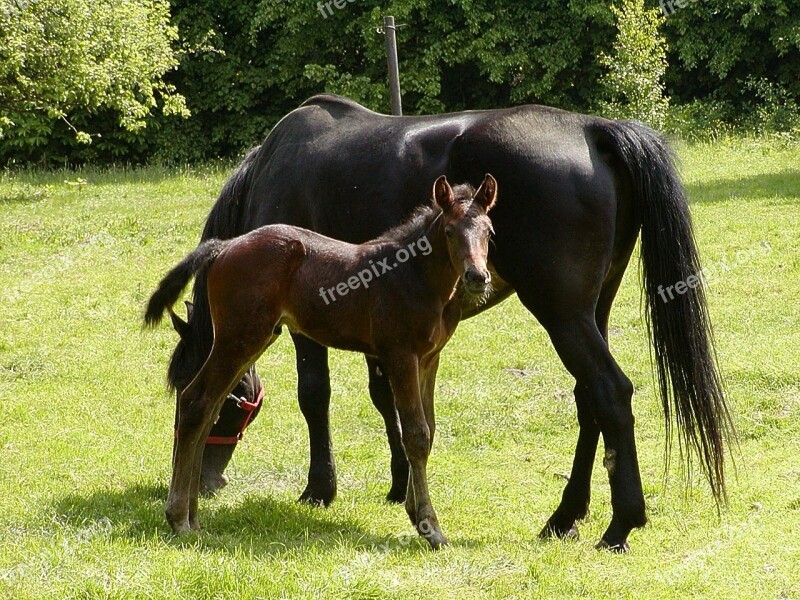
{"x": 677, "y": 316}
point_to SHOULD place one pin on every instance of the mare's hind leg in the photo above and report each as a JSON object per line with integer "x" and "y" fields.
{"x": 314, "y": 396}
{"x": 603, "y": 389}
{"x": 382, "y": 397}
{"x": 577, "y": 493}
{"x": 575, "y": 499}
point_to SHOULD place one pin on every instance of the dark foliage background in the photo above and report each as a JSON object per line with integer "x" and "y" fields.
{"x": 246, "y": 63}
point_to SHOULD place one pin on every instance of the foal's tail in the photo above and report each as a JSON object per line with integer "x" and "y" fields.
{"x": 677, "y": 316}
{"x": 174, "y": 282}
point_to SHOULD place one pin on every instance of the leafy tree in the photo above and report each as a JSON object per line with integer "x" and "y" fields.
{"x": 738, "y": 57}
{"x": 243, "y": 64}
{"x": 257, "y": 59}
{"x": 634, "y": 85}
{"x": 59, "y": 57}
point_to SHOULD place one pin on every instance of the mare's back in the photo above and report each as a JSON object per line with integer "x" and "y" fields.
{"x": 334, "y": 167}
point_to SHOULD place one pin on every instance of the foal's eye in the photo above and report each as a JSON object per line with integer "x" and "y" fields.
{"x": 448, "y": 231}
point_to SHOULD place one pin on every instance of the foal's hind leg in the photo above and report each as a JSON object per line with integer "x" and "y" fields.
{"x": 199, "y": 404}
{"x": 382, "y": 397}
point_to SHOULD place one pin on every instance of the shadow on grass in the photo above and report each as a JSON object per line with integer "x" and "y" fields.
{"x": 256, "y": 524}
{"x": 786, "y": 185}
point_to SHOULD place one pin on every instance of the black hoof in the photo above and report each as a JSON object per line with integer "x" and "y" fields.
{"x": 562, "y": 533}
{"x": 396, "y": 496}
{"x": 318, "y": 496}
{"x": 436, "y": 540}
{"x": 621, "y": 548}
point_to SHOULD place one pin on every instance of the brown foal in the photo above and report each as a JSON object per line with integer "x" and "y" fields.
{"x": 394, "y": 298}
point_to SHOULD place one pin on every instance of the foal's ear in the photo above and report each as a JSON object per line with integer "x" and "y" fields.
{"x": 443, "y": 193}
{"x": 181, "y": 326}
{"x": 486, "y": 195}
{"x": 189, "y": 310}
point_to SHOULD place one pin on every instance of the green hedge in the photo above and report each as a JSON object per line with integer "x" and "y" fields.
{"x": 244, "y": 64}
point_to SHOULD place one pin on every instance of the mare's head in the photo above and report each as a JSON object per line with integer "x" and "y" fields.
{"x": 189, "y": 356}
{"x": 467, "y": 227}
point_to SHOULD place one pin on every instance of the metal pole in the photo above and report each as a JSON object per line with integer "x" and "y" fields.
{"x": 394, "y": 69}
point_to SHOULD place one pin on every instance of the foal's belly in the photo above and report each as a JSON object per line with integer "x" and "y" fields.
{"x": 332, "y": 337}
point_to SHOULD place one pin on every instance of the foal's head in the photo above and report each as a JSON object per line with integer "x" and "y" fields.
{"x": 467, "y": 228}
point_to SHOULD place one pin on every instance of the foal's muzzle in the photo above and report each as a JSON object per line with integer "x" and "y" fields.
{"x": 476, "y": 282}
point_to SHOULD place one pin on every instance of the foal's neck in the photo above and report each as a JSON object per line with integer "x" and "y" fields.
{"x": 424, "y": 228}
{"x": 438, "y": 269}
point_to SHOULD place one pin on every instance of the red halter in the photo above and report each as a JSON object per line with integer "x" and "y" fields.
{"x": 250, "y": 408}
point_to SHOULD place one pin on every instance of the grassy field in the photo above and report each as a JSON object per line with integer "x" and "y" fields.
{"x": 86, "y": 422}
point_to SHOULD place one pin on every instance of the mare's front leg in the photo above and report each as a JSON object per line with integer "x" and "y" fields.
{"x": 404, "y": 377}
{"x": 380, "y": 391}
{"x": 314, "y": 396}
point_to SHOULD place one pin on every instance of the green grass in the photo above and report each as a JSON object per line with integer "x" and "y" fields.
{"x": 86, "y": 423}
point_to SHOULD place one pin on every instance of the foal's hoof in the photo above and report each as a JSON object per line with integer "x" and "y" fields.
{"x": 621, "y": 548}
{"x": 562, "y": 533}
{"x": 436, "y": 539}
{"x": 179, "y": 527}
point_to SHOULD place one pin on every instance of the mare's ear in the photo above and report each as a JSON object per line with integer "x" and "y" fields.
{"x": 443, "y": 193}
{"x": 486, "y": 195}
{"x": 181, "y": 326}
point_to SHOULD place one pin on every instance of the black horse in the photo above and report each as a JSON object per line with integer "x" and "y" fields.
{"x": 576, "y": 191}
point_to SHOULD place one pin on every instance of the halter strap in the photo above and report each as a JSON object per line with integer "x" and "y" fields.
{"x": 249, "y": 408}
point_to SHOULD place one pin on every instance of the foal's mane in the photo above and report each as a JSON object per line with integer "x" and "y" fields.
{"x": 418, "y": 221}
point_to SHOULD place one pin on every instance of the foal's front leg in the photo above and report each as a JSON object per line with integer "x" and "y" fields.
{"x": 427, "y": 384}
{"x": 404, "y": 377}
{"x": 380, "y": 391}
